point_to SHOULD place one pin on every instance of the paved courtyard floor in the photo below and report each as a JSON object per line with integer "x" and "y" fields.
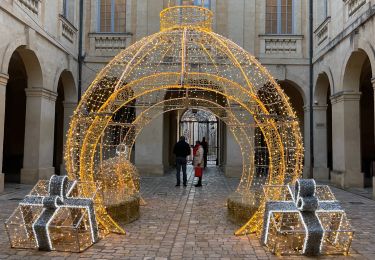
{"x": 188, "y": 223}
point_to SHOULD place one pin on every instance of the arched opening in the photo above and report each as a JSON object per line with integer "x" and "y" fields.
{"x": 296, "y": 100}
{"x": 65, "y": 103}
{"x": 354, "y": 135}
{"x": 212, "y": 128}
{"x": 59, "y": 130}
{"x": 196, "y": 124}
{"x": 329, "y": 132}
{"x": 367, "y": 124}
{"x": 236, "y": 123}
{"x": 27, "y": 130}
{"x": 323, "y": 164}
{"x": 15, "y": 114}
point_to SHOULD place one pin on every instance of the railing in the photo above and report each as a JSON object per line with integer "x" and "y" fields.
{"x": 322, "y": 32}
{"x": 68, "y": 31}
{"x": 354, "y": 5}
{"x": 109, "y": 43}
{"x": 281, "y": 44}
{"x": 32, "y": 5}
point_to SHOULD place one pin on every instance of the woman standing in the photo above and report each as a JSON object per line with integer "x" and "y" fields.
{"x": 197, "y": 162}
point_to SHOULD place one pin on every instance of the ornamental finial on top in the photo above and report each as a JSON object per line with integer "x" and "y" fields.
{"x": 186, "y": 16}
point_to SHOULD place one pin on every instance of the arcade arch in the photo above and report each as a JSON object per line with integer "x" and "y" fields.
{"x": 322, "y": 128}
{"x": 66, "y": 101}
{"x": 24, "y": 84}
{"x": 15, "y": 114}
{"x": 353, "y": 138}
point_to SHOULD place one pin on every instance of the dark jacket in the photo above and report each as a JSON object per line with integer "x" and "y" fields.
{"x": 205, "y": 147}
{"x": 181, "y": 149}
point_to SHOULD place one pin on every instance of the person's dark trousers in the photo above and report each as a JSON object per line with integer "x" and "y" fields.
{"x": 181, "y": 163}
{"x": 199, "y": 183}
{"x": 205, "y": 160}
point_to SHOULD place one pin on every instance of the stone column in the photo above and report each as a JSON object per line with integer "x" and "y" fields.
{"x": 233, "y": 162}
{"x": 346, "y": 140}
{"x": 306, "y": 141}
{"x": 321, "y": 171}
{"x": 373, "y": 177}
{"x": 69, "y": 108}
{"x": 3, "y": 83}
{"x": 149, "y": 148}
{"x": 39, "y": 135}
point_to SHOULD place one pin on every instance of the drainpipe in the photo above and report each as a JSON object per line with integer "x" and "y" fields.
{"x": 80, "y": 52}
{"x": 311, "y": 83}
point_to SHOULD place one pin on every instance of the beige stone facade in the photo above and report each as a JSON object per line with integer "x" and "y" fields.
{"x": 344, "y": 67}
{"x": 40, "y": 39}
{"x": 38, "y": 55}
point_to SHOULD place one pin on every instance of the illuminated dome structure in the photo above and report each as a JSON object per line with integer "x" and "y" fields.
{"x": 185, "y": 65}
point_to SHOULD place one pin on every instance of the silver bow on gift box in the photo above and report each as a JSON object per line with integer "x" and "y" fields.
{"x": 306, "y": 204}
{"x": 59, "y": 190}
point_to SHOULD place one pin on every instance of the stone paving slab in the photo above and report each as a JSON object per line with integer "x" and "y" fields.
{"x": 188, "y": 223}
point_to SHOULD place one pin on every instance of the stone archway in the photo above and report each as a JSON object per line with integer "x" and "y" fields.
{"x": 24, "y": 153}
{"x": 322, "y": 128}
{"x": 66, "y": 101}
{"x": 366, "y": 124}
{"x": 186, "y": 56}
{"x": 14, "y": 124}
{"x": 297, "y": 100}
{"x": 196, "y": 124}
{"x": 346, "y": 121}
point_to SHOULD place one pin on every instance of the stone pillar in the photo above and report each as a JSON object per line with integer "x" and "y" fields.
{"x": 233, "y": 162}
{"x": 346, "y": 140}
{"x": 69, "y": 108}
{"x": 149, "y": 148}
{"x": 306, "y": 141}
{"x": 3, "y": 83}
{"x": 373, "y": 86}
{"x": 39, "y": 135}
{"x": 321, "y": 171}
{"x": 373, "y": 177}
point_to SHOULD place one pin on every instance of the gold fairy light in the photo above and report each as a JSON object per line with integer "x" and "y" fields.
{"x": 185, "y": 65}
{"x": 56, "y": 215}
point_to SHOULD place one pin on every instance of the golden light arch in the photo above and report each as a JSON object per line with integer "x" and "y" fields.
{"x": 185, "y": 55}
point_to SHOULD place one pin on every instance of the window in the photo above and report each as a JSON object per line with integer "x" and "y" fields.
{"x": 112, "y": 16}
{"x": 68, "y": 10}
{"x": 207, "y": 3}
{"x": 279, "y": 16}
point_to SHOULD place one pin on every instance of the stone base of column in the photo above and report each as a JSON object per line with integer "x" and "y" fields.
{"x": 337, "y": 179}
{"x": 347, "y": 179}
{"x": 31, "y": 176}
{"x": 232, "y": 171}
{"x": 1, "y": 182}
{"x": 63, "y": 169}
{"x": 321, "y": 173}
{"x": 373, "y": 187}
{"x": 150, "y": 170}
{"x": 306, "y": 172}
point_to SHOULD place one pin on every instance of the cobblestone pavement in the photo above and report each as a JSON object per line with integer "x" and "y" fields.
{"x": 188, "y": 223}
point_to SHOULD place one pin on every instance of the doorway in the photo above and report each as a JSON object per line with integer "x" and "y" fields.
{"x": 196, "y": 124}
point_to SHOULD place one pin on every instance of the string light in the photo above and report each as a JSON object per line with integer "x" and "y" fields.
{"x": 55, "y": 210}
{"x": 185, "y": 65}
{"x": 326, "y": 229}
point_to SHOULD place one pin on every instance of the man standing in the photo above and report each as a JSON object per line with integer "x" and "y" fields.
{"x": 205, "y": 151}
{"x": 181, "y": 150}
